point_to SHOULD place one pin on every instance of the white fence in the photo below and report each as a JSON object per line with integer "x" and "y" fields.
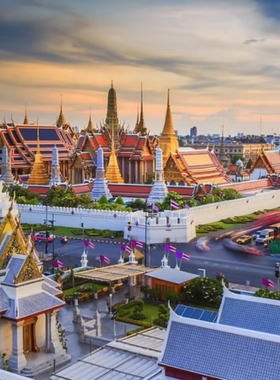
{"x": 177, "y": 225}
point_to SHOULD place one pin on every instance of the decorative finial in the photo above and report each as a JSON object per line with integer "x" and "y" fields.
{"x": 112, "y": 84}
{"x": 25, "y": 121}
{"x": 168, "y": 98}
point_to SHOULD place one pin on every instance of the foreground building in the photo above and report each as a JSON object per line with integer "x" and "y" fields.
{"x": 29, "y": 302}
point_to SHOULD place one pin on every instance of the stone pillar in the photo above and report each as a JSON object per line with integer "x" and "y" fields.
{"x": 48, "y": 333}
{"x": 136, "y": 169}
{"x": 129, "y": 171}
{"x": 55, "y": 342}
{"x": 76, "y": 311}
{"x": 17, "y": 359}
{"x": 98, "y": 324}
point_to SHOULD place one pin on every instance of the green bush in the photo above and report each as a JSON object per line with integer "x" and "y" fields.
{"x": 77, "y": 231}
{"x": 133, "y": 322}
{"x": 93, "y": 232}
{"x": 123, "y": 312}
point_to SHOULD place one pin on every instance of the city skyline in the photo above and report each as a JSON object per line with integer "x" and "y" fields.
{"x": 218, "y": 58}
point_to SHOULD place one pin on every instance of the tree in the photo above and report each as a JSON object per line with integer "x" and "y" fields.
{"x": 237, "y": 157}
{"x": 138, "y": 204}
{"x": 192, "y": 202}
{"x": 208, "y": 199}
{"x": 85, "y": 201}
{"x": 163, "y": 316}
{"x": 103, "y": 200}
{"x": 265, "y": 293}
{"x": 231, "y": 194}
{"x": 150, "y": 179}
{"x": 165, "y": 205}
{"x": 138, "y": 311}
{"x": 119, "y": 201}
{"x": 54, "y": 192}
{"x": 204, "y": 291}
{"x": 249, "y": 164}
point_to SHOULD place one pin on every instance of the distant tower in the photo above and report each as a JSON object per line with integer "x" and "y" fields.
{"x": 55, "y": 178}
{"x": 61, "y": 121}
{"x": 223, "y": 158}
{"x": 25, "y": 121}
{"x": 100, "y": 186}
{"x": 140, "y": 124}
{"x": 159, "y": 189}
{"x": 90, "y": 128}
{"x": 7, "y": 176}
{"x": 193, "y": 132}
{"x": 112, "y": 120}
{"x": 38, "y": 175}
{"x": 168, "y": 141}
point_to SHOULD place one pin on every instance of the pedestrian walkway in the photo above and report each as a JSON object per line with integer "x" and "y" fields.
{"x": 88, "y": 309}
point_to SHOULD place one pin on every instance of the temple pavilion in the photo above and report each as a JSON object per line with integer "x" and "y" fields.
{"x": 29, "y": 301}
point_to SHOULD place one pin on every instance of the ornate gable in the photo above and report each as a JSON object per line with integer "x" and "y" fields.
{"x": 261, "y": 162}
{"x": 29, "y": 271}
{"x": 172, "y": 172}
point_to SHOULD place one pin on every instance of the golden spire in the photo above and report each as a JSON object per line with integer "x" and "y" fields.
{"x": 61, "y": 121}
{"x": 168, "y": 128}
{"x": 113, "y": 174}
{"x": 25, "y": 121}
{"x": 136, "y": 130}
{"x": 38, "y": 175}
{"x": 90, "y": 128}
{"x": 142, "y": 128}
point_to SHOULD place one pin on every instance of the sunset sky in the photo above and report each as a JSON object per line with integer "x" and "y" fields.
{"x": 220, "y": 59}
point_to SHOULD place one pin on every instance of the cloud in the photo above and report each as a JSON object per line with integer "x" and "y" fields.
{"x": 254, "y": 40}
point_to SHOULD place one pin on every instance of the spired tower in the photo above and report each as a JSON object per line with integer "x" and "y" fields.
{"x": 100, "y": 186}
{"x": 112, "y": 120}
{"x": 113, "y": 173}
{"x": 55, "y": 179}
{"x": 38, "y": 175}
{"x": 25, "y": 121}
{"x": 159, "y": 189}
{"x": 6, "y": 171}
{"x": 168, "y": 141}
{"x": 223, "y": 158}
{"x": 140, "y": 126}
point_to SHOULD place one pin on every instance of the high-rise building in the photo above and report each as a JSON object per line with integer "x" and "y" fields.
{"x": 193, "y": 132}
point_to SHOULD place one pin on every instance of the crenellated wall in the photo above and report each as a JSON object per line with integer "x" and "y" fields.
{"x": 179, "y": 227}
{"x": 69, "y": 217}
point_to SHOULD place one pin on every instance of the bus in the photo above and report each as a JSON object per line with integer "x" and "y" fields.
{"x": 276, "y": 228}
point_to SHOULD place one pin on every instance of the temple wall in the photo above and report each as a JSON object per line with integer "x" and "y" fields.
{"x": 69, "y": 217}
{"x": 6, "y": 337}
{"x": 182, "y": 223}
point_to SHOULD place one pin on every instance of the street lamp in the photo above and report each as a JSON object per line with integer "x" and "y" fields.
{"x": 147, "y": 216}
{"x": 52, "y": 223}
{"x": 277, "y": 274}
{"x": 46, "y": 221}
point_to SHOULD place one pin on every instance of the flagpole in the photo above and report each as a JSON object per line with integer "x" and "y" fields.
{"x": 180, "y": 263}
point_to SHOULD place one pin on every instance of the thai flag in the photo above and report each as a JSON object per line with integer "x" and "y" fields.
{"x": 172, "y": 249}
{"x": 128, "y": 249}
{"x": 85, "y": 243}
{"x": 186, "y": 257}
{"x": 91, "y": 245}
{"x": 105, "y": 259}
{"x": 139, "y": 244}
{"x": 271, "y": 284}
{"x": 58, "y": 264}
{"x": 174, "y": 205}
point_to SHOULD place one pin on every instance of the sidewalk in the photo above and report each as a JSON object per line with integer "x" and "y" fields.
{"x": 88, "y": 309}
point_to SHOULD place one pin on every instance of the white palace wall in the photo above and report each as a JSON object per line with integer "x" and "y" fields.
{"x": 176, "y": 225}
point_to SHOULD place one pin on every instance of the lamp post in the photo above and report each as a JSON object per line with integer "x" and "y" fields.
{"x": 277, "y": 274}
{"x": 52, "y": 223}
{"x": 46, "y": 221}
{"x": 146, "y": 222}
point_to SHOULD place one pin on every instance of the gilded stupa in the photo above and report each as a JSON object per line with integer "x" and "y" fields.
{"x": 113, "y": 174}
{"x": 90, "y": 127}
{"x": 168, "y": 141}
{"x": 26, "y": 120}
{"x": 38, "y": 175}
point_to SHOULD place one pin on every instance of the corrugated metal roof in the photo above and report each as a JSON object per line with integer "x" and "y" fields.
{"x": 131, "y": 358}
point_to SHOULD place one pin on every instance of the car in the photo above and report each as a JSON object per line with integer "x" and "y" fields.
{"x": 41, "y": 236}
{"x": 244, "y": 239}
{"x": 256, "y": 234}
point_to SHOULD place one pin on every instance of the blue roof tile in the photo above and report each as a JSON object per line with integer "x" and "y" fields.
{"x": 251, "y": 315}
{"x": 220, "y": 354}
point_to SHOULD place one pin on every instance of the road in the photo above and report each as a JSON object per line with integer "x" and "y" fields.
{"x": 238, "y": 267}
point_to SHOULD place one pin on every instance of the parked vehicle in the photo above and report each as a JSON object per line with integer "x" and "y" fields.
{"x": 244, "y": 239}
{"x": 265, "y": 236}
{"x": 42, "y": 236}
{"x": 256, "y": 234}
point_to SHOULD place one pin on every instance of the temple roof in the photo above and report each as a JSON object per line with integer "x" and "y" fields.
{"x": 21, "y": 140}
{"x": 197, "y": 166}
{"x": 269, "y": 159}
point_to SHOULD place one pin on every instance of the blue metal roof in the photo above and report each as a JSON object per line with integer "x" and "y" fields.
{"x": 220, "y": 354}
{"x": 194, "y": 313}
{"x": 251, "y": 315}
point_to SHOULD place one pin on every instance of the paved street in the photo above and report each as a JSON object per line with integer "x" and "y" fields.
{"x": 237, "y": 266}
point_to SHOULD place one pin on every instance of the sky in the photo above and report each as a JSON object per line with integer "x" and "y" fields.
{"x": 219, "y": 58}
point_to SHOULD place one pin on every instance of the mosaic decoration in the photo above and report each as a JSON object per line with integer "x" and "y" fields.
{"x": 29, "y": 271}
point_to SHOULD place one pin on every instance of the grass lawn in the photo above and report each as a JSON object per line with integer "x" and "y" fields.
{"x": 69, "y": 292}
